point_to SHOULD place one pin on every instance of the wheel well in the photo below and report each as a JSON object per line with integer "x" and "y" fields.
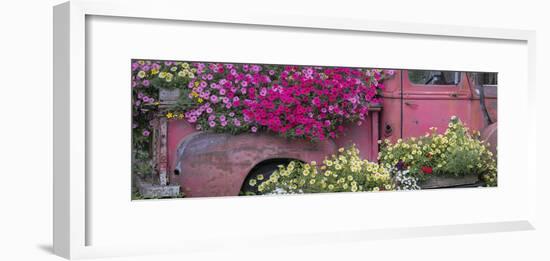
{"x": 267, "y": 162}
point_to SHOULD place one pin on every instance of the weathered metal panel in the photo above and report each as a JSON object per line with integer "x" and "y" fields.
{"x": 215, "y": 164}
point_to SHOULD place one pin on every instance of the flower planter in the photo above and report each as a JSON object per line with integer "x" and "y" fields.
{"x": 169, "y": 95}
{"x": 446, "y": 182}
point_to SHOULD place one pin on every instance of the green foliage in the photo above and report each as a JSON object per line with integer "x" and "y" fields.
{"x": 141, "y": 164}
{"x": 456, "y": 152}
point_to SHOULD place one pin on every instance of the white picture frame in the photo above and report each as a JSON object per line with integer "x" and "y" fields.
{"x": 72, "y": 198}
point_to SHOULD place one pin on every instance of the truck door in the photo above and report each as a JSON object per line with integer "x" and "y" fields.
{"x": 431, "y": 98}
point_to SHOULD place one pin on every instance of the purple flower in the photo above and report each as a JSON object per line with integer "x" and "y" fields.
{"x": 263, "y": 92}
{"x": 135, "y": 66}
{"x": 400, "y": 165}
{"x": 146, "y": 133}
{"x": 212, "y": 124}
{"x": 146, "y": 83}
{"x": 214, "y": 99}
{"x": 145, "y": 98}
{"x": 209, "y": 110}
{"x": 254, "y": 129}
{"x": 222, "y": 91}
{"x": 256, "y": 68}
{"x": 222, "y": 118}
{"x": 237, "y": 122}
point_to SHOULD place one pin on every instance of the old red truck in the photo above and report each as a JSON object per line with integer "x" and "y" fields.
{"x": 214, "y": 164}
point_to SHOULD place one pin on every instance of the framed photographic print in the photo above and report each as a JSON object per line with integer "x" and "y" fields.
{"x": 206, "y": 129}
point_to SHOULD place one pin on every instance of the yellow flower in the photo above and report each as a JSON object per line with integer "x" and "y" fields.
{"x": 169, "y": 115}
{"x": 260, "y": 177}
{"x": 305, "y": 172}
{"x": 169, "y": 77}
{"x": 162, "y": 74}
{"x": 312, "y": 182}
{"x": 252, "y": 182}
{"x": 200, "y": 100}
{"x": 341, "y": 150}
{"x": 141, "y": 74}
{"x": 331, "y": 187}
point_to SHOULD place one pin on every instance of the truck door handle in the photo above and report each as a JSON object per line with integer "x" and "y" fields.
{"x": 408, "y": 103}
{"x": 454, "y": 95}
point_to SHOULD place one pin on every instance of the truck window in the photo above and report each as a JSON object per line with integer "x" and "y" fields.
{"x": 487, "y": 80}
{"x": 434, "y": 77}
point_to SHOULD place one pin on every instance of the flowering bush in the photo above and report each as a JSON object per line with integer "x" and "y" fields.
{"x": 457, "y": 152}
{"x": 147, "y": 78}
{"x": 344, "y": 171}
{"x": 294, "y": 101}
{"x": 403, "y": 180}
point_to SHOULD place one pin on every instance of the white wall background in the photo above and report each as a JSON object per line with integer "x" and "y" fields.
{"x": 26, "y": 131}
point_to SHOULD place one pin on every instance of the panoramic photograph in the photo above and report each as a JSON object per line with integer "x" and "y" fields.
{"x": 214, "y": 129}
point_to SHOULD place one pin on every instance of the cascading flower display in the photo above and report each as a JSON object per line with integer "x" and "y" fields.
{"x": 309, "y": 102}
